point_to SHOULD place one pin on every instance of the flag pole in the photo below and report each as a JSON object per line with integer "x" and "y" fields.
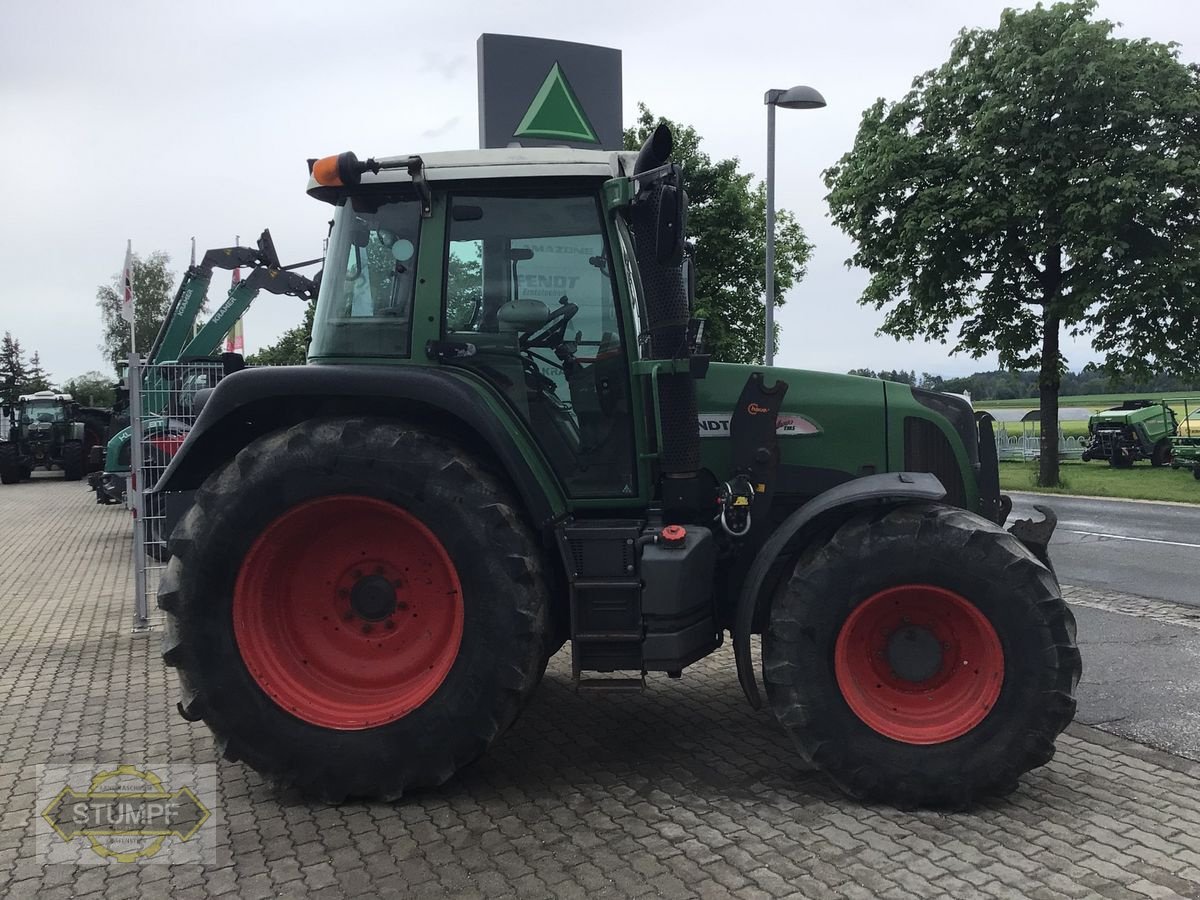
{"x": 127, "y": 301}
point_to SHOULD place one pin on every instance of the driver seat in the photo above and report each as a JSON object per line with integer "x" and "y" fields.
{"x": 522, "y": 316}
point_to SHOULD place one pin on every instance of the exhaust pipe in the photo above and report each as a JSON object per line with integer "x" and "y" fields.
{"x": 667, "y": 315}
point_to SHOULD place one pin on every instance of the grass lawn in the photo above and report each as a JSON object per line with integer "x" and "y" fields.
{"x": 1097, "y": 479}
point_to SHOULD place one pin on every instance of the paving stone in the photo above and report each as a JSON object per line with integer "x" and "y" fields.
{"x": 680, "y": 791}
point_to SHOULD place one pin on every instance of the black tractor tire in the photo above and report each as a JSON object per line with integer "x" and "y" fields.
{"x": 1119, "y": 460}
{"x": 921, "y": 547}
{"x": 410, "y": 472}
{"x": 1161, "y": 454}
{"x": 72, "y": 460}
{"x": 1196, "y": 472}
{"x": 10, "y": 465}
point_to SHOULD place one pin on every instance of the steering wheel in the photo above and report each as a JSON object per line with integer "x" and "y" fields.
{"x": 554, "y": 329}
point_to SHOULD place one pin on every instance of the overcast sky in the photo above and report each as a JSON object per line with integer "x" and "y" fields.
{"x": 158, "y": 121}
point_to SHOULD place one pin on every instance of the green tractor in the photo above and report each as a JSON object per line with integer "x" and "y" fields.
{"x": 507, "y": 436}
{"x": 44, "y": 430}
{"x": 1137, "y": 429}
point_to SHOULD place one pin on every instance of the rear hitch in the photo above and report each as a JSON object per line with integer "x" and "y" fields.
{"x": 1036, "y": 535}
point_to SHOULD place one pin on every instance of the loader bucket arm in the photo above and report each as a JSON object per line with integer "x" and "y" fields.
{"x": 272, "y": 280}
{"x": 180, "y": 320}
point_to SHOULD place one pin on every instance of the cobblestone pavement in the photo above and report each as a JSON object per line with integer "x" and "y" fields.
{"x": 679, "y": 791}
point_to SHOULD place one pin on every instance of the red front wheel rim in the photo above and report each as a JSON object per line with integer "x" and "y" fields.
{"x": 919, "y": 664}
{"x": 348, "y": 612}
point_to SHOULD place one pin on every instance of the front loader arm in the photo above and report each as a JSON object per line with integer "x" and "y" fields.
{"x": 271, "y": 280}
{"x": 180, "y": 321}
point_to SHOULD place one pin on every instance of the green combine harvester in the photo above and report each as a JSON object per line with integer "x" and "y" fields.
{"x": 1137, "y": 429}
{"x": 182, "y": 360}
{"x": 508, "y": 436}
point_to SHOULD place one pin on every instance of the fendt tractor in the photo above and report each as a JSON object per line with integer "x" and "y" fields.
{"x": 1137, "y": 429}
{"x": 45, "y": 429}
{"x": 181, "y": 359}
{"x": 507, "y": 436}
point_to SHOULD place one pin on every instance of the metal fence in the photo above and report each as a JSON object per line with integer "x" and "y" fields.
{"x": 161, "y": 400}
{"x": 1026, "y": 444}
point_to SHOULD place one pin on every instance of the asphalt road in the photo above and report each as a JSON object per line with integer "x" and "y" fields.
{"x": 1148, "y": 549}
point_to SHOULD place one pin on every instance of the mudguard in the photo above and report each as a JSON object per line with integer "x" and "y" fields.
{"x": 255, "y": 401}
{"x": 891, "y": 487}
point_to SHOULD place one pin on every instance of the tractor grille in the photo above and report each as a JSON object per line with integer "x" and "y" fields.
{"x": 926, "y": 449}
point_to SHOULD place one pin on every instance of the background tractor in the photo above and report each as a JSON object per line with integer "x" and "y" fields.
{"x": 45, "y": 430}
{"x": 1137, "y": 429}
{"x": 508, "y": 436}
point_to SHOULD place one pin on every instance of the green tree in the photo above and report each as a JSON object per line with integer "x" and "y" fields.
{"x": 91, "y": 389}
{"x": 727, "y": 223}
{"x": 292, "y": 347}
{"x": 153, "y": 288}
{"x": 1046, "y": 177}
{"x": 13, "y": 369}
{"x": 36, "y": 378}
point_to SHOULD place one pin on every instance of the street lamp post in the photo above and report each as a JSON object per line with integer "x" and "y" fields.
{"x": 799, "y": 97}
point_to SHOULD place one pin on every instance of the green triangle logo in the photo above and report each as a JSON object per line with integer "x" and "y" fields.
{"x": 555, "y": 113}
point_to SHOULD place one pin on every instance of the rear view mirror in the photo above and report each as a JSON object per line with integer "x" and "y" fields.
{"x": 669, "y": 219}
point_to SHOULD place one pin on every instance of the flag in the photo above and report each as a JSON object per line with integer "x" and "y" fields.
{"x": 234, "y": 341}
{"x": 127, "y": 285}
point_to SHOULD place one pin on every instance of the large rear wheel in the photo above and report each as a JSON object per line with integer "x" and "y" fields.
{"x": 355, "y": 607}
{"x": 922, "y": 657}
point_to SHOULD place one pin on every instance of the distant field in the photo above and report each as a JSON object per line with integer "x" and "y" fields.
{"x": 1091, "y": 401}
{"x": 1097, "y": 479}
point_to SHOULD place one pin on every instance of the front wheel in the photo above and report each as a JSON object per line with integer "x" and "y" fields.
{"x": 10, "y": 465}
{"x": 355, "y": 607}
{"x": 922, "y": 657}
{"x": 72, "y": 460}
{"x": 1161, "y": 454}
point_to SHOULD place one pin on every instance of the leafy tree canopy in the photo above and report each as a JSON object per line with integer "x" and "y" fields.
{"x": 727, "y": 224}
{"x": 153, "y": 289}
{"x": 91, "y": 389}
{"x": 292, "y": 347}
{"x": 1046, "y": 176}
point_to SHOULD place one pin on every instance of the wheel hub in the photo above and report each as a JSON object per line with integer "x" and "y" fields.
{"x": 348, "y": 612}
{"x": 914, "y": 653}
{"x": 919, "y": 664}
{"x": 373, "y": 598}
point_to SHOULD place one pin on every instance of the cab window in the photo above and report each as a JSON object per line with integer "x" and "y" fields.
{"x": 529, "y": 284}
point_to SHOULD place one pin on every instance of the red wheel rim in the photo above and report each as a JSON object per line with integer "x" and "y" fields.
{"x": 348, "y": 612}
{"x": 919, "y": 664}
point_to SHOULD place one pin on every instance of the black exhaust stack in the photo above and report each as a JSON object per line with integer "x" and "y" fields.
{"x": 668, "y": 313}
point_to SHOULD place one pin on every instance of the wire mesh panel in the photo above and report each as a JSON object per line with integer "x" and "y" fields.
{"x": 162, "y": 413}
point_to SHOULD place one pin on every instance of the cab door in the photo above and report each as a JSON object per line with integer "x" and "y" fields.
{"x": 530, "y": 287}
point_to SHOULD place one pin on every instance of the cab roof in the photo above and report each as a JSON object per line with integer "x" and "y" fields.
{"x": 507, "y": 162}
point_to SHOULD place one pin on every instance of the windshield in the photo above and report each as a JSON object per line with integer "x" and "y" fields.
{"x": 36, "y": 411}
{"x": 365, "y": 305}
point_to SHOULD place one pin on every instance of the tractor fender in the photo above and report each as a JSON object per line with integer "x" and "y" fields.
{"x": 890, "y": 487}
{"x": 250, "y": 403}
